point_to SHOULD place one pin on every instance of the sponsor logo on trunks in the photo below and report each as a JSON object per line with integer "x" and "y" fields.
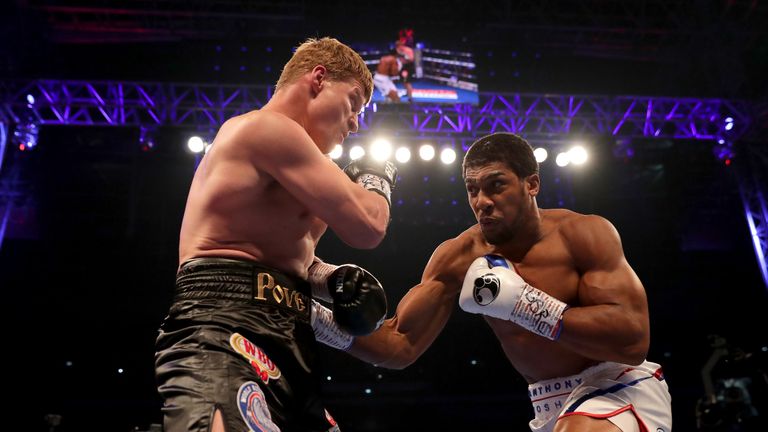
{"x": 265, "y": 286}
{"x": 254, "y": 409}
{"x": 264, "y": 367}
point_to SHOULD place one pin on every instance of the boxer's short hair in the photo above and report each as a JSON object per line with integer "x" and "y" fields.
{"x": 507, "y": 148}
{"x": 341, "y": 62}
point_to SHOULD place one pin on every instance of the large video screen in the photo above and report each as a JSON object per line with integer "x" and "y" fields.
{"x": 419, "y": 73}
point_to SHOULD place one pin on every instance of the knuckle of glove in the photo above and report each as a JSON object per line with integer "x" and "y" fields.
{"x": 344, "y": 282}
{"x": 366, "y": 165}
{"x": 365, "y": 311}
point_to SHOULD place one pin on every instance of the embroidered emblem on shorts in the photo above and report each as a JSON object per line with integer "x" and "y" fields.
{"x": 253, "y": 407}
{"x": 264, "y": 367}
{"x": 486, "y": 288}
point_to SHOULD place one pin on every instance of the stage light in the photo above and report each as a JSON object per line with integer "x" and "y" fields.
{"x": 356, "y": 152}
{"x": 30, "y": 99}
{"x": 723, "y": 152}
{"x": 381, "y": 149}
{"x": 426, "y": 152}
{"x": 577, "y": 155}
{"x": 540, "y": 154}
{"x": 195, "y": 144}
{"x": 562, "y": 159}
{"x": 623, "y": 149}
{"x": 146, "y": 139}
{"x": 403, "y": 154}
{"x": 336, "y": 152}
{"x": 447, "y": 156}
{"x": 25, "y": 135}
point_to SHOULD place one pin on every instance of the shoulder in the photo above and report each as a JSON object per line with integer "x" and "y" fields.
{"x": 452, "y": 257}
{"x": 261, "y": 132}
{"x": 590, "y": 238}
{"x": 576, "y": 226}
{"x": 264, "y": 124}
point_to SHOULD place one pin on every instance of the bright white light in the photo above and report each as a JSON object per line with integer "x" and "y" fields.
{"x": 196, "y": 144}
{"x": 562, "y": 159}
{"x": 356, "y": 152}
{"x": 447, "y": 156}
{"x": 336, "y": 152}
{"x": 403, "y": 154}
{"x": 577, "y": 155}
{"x": 540, "y": 154}
{"x": 381, "y": 149}
{"x": 30, "y": 99}
{"x": 729, "y": 119}
{"x": 120, "y": 370}
{"x": 426, "y": 152}
{"x": 367, "y": 391}
{"x": 328, "y": 378}
{"x": 729, "y": 126}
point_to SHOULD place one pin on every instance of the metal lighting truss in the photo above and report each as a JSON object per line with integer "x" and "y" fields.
{"x": 752, "y": 182}
{"x": 545, "y": 117}
{"x": 148, "y": 104}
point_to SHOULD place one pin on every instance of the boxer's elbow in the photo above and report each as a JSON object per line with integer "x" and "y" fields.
{"x": 386, "y": 348}
{"x": 399, "y": 361}
{"x": 635, "y": 350}
{"x": 368, "y": 237}
{"x": 367, "y": 233}
{"x": 632, "y": 355}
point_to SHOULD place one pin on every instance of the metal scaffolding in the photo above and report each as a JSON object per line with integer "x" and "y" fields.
{"x": 27, "y": 105}
{"x": 148, "y": 104}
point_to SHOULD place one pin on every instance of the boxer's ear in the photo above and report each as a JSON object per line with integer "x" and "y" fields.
{"x": 319, "y": 75}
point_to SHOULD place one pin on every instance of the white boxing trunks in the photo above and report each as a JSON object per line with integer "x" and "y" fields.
{"x": 384, "y": 83}
{"x": 634, "y": 398}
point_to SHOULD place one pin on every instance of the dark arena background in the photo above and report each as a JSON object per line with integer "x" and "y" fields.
{"x": 98, "y": 99}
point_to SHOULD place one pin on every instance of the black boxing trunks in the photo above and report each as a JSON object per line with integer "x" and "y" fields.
{"x": 238, "y": 339}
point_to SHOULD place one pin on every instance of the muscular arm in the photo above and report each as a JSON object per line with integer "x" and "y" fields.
{"x": 420, "y": 316}
{"x": 611, "y": 322}
{"x": 282, "y": 149}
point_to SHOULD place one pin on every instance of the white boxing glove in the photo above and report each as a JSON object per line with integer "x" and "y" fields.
{"x": 326, "y": 330}
{"x": 492, "y": 287}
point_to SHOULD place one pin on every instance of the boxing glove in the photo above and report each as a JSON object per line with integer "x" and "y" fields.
{"x": 359, "y": 301}
{"x": 492, "y": 287}
{"x": 373, "y": 175}
{"x": 326, "y": 330}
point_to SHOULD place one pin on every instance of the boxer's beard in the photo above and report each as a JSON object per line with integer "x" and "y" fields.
{"x": 498, "y": 236}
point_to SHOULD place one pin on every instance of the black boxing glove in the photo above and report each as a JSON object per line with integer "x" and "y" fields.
{"x": 359, "y": 301}
{"x": 373, "y": 175}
